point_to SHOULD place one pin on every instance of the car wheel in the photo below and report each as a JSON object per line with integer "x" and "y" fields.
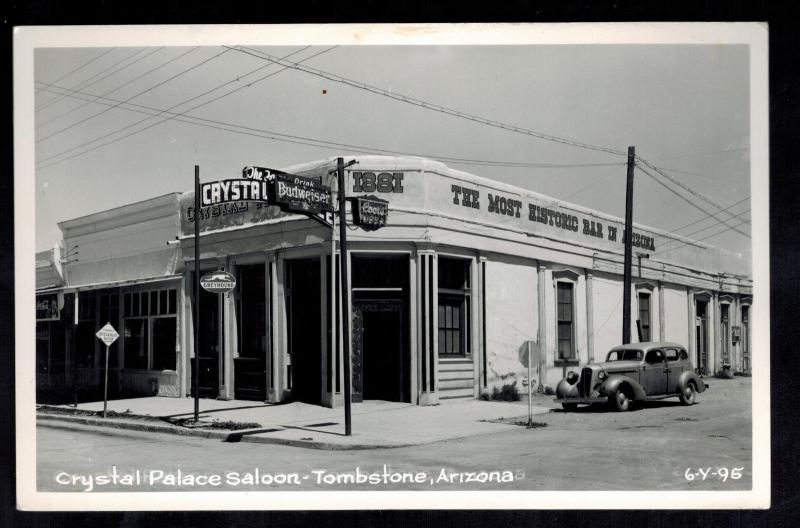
{"x": 569, "y": 407}
{"x": 689, "y": 394}
{"x": 621, "y": 401}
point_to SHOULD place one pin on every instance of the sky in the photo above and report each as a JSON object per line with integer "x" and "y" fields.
{"x": 684, "y": 107}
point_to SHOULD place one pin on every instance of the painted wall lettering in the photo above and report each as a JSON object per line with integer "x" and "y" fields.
{"x": 592, "y": 228}
{"x": 383, "y": 182}
{"x": 469, "y": 197}
{"x": 612, "y": 233}
{"x": 504, "y": 206}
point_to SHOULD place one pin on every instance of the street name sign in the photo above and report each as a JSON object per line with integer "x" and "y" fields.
{"x": 107, "y": 334}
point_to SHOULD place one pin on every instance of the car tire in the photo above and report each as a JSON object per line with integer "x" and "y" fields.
{"x": 621, "y": 401}
{"x": 569, "y": 407}
{"x": 688, "y": 395}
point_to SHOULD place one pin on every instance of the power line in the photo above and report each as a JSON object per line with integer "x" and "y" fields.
{"x": 173, "y": 77}
{"x": 601, "y": 178}
{"x": 420, "y": 102}
{"x": 94, "y": 80}
{"x": 700, "y": 230}
{"x": 99, "y": 138}
{"x": 679, "y": 195}
{"x": 706, "y": 237}
{"x": 82, "y": 66}
{"x": 681, "y": 185}
{"x": 125, "y": 84}
{"x": 707, "y": 216}
{"x": 315, "y": 142}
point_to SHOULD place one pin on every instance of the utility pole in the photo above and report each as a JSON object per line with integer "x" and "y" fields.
{"x": 196, "y": 370}
{"x": 627, "y": 239}
{"x": 348, "y": 429}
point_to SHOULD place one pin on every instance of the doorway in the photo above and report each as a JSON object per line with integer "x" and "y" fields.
{"x": 380, "y": 367}
{"x": 701, "y": 336}
{"x": 303, "y": 307}
{"x": 252, "y": 325}
{"x": 210, "y": 345}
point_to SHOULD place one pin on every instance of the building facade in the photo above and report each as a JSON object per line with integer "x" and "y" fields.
{"x": 468, "y": 278}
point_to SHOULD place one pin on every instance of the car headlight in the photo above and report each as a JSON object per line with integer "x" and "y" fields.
{"x": 572, "y": 377}
{"x": 602, "y": 375}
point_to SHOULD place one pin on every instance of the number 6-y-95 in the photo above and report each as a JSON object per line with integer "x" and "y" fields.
{"x": 721, "y": 473}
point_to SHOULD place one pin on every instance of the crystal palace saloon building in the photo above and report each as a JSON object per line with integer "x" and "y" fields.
{"x": 466, "y": 276}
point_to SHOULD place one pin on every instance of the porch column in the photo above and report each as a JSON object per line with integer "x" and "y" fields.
{"x": 428, "y": 325}
{"x": 589, "y": 316}
{"x": 542, "y": 332}
{"x": 661, "y": 316}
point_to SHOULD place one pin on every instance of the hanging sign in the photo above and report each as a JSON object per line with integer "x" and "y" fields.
{"x": 298, "y": 194}
{"x": 107, "y": 334}
{"x": 370, "y": 212}
{"x": 218, "y": 281}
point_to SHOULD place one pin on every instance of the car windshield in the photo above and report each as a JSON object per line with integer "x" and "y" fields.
{"x": 624, "y": 355}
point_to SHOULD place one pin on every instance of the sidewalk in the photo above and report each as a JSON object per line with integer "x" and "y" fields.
{"x": 375, "y": 424}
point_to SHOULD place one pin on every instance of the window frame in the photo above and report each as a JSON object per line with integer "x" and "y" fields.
{"x": 570, "y": 278}
{"x": 148, "y": 313}
{"x": 463, "y": 297}
{"x": 648, "y": 328}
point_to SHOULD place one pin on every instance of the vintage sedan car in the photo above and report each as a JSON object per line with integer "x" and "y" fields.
{"x": 632, "y": 373}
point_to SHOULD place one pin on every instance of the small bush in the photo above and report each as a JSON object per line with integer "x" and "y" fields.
{"x": 508, "y": 392}
{"x": 485, "y": 396}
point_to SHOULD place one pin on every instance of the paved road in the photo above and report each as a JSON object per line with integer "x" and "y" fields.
{"x": 650, "y": 448}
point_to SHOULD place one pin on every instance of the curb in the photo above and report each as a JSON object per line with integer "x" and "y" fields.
{"x": 243, "y": 435}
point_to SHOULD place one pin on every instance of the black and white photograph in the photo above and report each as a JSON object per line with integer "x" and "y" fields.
{"x": 392, "y": 266}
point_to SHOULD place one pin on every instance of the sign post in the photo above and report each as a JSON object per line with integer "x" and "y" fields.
{"x": 348, "y": 429}
{"x": 196, "y": 317}
{"x": 107, "y": 335}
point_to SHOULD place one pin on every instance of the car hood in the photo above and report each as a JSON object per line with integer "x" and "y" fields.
{"x": 613, "y": 366}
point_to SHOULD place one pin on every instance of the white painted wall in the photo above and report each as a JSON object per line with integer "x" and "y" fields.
{"x": 511, "y": 318}
{"x": 607, "y": 299}
{"x": 675, "y": 318}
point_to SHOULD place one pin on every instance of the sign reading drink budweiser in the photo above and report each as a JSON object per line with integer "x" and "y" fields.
{"x": 299, "y": 194}
{"x": 218, "y": 281}
{"x": 370, "y": 212}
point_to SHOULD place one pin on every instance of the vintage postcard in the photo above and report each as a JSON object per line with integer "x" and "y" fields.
{"x": 516, "y": 266}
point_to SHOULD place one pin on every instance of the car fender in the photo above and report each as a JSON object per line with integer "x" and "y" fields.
{"x": 565, "y": 389}
{"x": 613, "y": 383}
{"x": 687, "y": 376}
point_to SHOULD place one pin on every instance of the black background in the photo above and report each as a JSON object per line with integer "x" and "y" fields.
{"x": 784, "y": 235}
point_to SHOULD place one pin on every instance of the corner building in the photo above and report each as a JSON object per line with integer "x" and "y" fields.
{"x": 468, "y": 276}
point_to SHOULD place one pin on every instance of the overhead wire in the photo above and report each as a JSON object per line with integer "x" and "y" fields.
{"x": 97, "y": 77}
{"x": 743, "y": 222}
{"x": 82, "y": 66}
{"x": 103, "y": 136}
{"x": 134, "y": 96}
{"x": 421, "y": 103}
{"x": 118, "y": 87}
{"x": 315, "y": 142}
{"x": 682, "y": 197}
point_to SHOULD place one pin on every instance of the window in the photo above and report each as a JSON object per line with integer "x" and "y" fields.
{"x": 454, "y": 306}
{"x": 654, "y": 357}
{"x": 624, "y": 355}
{"x": 672, "y": 354}
{"x": 86, "y": 340}
{"x": 149, "y": 329}
{"x": 725, "y": 323}
{"x": 644, "y": 315}
{"x": 566, "y": 323}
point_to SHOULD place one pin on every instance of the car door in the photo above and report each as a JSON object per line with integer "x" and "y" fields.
{"x": 654, "y": 372}
{"x": 674, "y": 369}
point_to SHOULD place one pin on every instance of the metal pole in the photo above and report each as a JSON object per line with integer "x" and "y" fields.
{"x": 348, "y": 429}
{"x": 530, "y": 389}
{"x": 105, "y": 386}
{"x": 627, "y": 239}
{"x": 196, "y": 372}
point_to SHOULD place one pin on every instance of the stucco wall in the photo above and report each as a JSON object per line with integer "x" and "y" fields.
{"x": 675, "y": 317}
{"x": 511, "y": 318}
{"x": 607, "y": 299}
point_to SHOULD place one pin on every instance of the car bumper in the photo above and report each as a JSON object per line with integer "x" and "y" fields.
{"x": 598, "y": 399}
